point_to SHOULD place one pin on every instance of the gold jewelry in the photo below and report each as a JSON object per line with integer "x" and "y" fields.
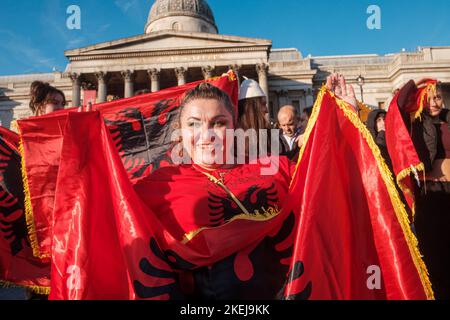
{"x": 221, "y": 183}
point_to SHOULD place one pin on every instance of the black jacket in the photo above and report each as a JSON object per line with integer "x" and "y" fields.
{"x": 286, "y": 151}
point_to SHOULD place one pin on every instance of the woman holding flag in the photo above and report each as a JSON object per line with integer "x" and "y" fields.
{"x": 429, "y": 128}
{"x": 211, "y": 229}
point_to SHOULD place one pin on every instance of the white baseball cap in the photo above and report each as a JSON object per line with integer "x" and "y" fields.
{"x": 250, "y": 89}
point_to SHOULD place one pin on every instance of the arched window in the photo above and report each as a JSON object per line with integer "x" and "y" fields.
{"x": 176, "y": 26}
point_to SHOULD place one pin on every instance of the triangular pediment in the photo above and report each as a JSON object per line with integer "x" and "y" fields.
{"x": 168, "y": 40}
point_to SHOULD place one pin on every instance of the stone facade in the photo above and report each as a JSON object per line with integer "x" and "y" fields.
{"x": 173, "y": 56}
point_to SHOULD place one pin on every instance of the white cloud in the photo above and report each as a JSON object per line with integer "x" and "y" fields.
{"x": 22, "y": 52}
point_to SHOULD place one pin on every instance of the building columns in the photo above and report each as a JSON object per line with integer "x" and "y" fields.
{"x": 102, "y": 86}
{"x": 154, "y": 80}
{"x": 76, "y": 89}
{"x": 207, "y": 72}
{"x": 181, "y": 75}
{"x": 309, "y": 97}
{"x": 283, "y": 98}
{"x": 262, "y": 70}
{"x": 128, "y": 77}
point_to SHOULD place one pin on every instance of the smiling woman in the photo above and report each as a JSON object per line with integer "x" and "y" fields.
{"x": 207, "y": 194}
{"x": 206, "y": 114}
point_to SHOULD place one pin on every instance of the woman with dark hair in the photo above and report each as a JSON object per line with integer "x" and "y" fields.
{"x": 253, "y": 111}
{"x": 431, "y": 137}
{"x": 45, "y": 99}
{"x": 377, "y": 127}
{"x": 253, "y": 115}
{"x": 208, "y": 193}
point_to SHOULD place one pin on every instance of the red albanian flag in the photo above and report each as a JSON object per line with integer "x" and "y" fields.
{"x": 406, "y": 107}
{"x": 141, "y": 128}
{"x": 353, "y": 237}
{"x": 342, "y": 218}
{"x": 17, "y": 265}
{"x": 107, "y": 244}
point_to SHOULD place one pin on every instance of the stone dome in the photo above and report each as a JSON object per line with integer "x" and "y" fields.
{"x": 181, "y": 15}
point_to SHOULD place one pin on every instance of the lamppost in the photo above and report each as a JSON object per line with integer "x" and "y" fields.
{"x": 361, "y": 82}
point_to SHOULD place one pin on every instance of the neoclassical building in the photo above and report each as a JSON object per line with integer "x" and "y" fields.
{"x": 182, "y": 43}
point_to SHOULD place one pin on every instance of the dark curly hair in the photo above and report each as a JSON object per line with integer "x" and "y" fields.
{"x": 41, "y": 93}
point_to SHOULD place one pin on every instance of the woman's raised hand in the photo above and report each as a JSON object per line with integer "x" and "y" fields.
{"x": 336, "y": 83}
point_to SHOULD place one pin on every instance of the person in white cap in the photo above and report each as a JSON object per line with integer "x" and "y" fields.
{"x": 253, "y": 112}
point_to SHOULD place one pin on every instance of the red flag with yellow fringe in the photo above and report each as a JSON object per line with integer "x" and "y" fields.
{"x": 352, "y": 222}
{"x": 342, "y": 232}
{"x": 141, "y": 127}
{"x": 343, "y": 213}
{"x": 407, "y": 106}
{"x": 17, "y": 265}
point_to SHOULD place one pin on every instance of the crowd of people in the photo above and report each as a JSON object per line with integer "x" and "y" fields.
{"x": 208, "y": 107}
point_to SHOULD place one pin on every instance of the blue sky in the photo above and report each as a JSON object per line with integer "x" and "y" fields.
{"x": 33, "y": 34}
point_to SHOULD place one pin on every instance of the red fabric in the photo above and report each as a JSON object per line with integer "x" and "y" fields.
{"x": 401, "y": 149}
{"x": 347, "y": 220}
{"x": 141, "y": 129}
{"x": 398, "y": 139}
{"x": 97, "y": 260}
{"x": 108, "y": 243}
{"x": 182, "y": 212}
{"x": 17, "y": 264}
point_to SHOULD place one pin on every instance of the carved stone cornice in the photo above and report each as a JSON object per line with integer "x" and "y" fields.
{"x": 165, "y": 53}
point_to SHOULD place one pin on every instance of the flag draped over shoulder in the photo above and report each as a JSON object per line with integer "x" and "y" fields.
{"x": 17, "y": 264}
{"x": 352, "y": 223}
{"x": 141, "y": 128}
{"x": 406, "y": 163}
{"x": 342, "y": 216}
{"x": 123, "y": 250}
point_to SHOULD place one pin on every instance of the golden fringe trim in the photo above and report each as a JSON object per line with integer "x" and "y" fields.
{"x": 28, "y": 207}
{"x": 265, "y": 215}
{"x": 423, "y": 95}
{"x": 35, "y": 289}
{"x": 230, "y": 74}
{"x": 364, "y": 111}
{"x": 404, "y": 174}
{"x": 309, "y": 128}
{"x": 398, "y": 205}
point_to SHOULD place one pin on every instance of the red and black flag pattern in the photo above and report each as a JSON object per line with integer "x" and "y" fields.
{"x": 339, "y": 210}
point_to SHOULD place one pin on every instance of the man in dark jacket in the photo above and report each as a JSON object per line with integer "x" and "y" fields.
{"x": 290, "y": 133}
